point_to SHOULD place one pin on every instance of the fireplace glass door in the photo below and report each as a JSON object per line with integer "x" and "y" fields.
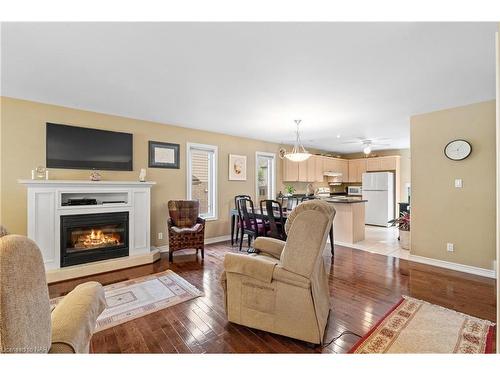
{"x": 92, "y": 237}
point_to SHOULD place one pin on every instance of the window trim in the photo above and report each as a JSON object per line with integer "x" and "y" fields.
{"x": 212, "y": 172}
{"x": 273, "y": 175}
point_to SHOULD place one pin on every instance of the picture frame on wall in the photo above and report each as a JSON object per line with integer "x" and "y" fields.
{"x": 237, "y": 167}
{"x": 164, "y": 155}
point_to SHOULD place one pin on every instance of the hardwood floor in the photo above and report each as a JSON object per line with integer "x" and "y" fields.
{"x": 363, "y": 287}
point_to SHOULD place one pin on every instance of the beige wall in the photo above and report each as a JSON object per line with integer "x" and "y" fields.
{"x": 23, "y": 148}
{"x": 405, "y": 166}
{"x": 442, "y": 213}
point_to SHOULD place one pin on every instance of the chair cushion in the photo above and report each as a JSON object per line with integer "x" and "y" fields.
{"x": 194, "y": 229}
{"x": 184, "y": 213}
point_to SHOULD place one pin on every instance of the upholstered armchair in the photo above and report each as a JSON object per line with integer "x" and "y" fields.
{"x": 284, "y": 289}
{"x": 26, "y": 323}
{"x": 186, "y": 230}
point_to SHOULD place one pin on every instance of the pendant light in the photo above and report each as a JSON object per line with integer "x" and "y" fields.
{"x": 298, "y": 153}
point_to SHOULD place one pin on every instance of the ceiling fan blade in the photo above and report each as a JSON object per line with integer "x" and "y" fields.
{"x": 350, "y": 142}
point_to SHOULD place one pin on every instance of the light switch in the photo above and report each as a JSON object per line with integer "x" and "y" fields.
{"x": 459, "y": 183}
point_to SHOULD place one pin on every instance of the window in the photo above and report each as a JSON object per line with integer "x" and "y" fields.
{"x": 265, "y": 173}
{"x": 202, "y": 178}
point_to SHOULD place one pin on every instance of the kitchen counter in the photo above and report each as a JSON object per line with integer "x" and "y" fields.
{"x": 345, "y": 200}
{"x": 349, "y": 222}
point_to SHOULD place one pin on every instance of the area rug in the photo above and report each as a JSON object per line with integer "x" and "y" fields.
{"x": 415, "y": 326}
{"x": 131, "y": 299}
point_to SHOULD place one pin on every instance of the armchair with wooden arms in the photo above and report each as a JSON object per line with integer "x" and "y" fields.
{"x": 186, "y": 229}
{"x": 284, "y": 289}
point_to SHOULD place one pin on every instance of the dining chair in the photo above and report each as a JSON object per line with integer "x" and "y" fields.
{"x": 252, "y": 227}
{"x": 276, "y": 221}
{"x": 291, "y": 203}
{"x": 240, "y": 223}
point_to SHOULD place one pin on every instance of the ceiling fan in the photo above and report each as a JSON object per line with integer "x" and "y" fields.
{"x": 369, "y": 143}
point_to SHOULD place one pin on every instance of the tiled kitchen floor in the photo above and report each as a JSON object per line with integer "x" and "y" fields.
{"x": 380, "y": 240}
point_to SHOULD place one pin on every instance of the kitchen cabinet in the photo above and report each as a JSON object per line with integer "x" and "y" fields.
{"x": 337, "y": 165}
{"x": 319, "y": 168}
{"x": 290, "y": 170}
{"x": 383, "y": 163}
{"x": 373, "y": 164}
{"x": 356, "y": 169}
{"x": 302, "y": 171}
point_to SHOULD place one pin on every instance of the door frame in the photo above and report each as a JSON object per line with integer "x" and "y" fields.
{"x": 273, "y": 175}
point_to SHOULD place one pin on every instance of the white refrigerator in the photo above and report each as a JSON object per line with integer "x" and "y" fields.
{"x": 378, "y": 190}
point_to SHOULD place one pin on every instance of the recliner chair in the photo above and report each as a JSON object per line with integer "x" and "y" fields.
{"x": 26, "y": 323}
{"x": 284, "y": 289}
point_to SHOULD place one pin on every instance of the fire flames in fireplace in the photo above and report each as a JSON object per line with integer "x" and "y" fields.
{"x": 97, "y": 238}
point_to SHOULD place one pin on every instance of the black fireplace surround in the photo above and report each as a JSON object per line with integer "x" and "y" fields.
{"x": 91, "y": 237}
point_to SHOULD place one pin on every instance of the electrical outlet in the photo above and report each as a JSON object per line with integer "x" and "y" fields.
{"x": 450, "y": 247}
{"x": 459, "y": 183}
{"x": 160, "y": 235}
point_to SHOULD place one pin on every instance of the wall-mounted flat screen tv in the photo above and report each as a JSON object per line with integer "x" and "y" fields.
{"x": 74, "y": 147}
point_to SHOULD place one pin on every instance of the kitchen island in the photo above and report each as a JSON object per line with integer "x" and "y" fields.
{"x": 349, "y": 222}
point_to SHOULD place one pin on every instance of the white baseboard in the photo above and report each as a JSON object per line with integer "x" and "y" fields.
{"x": 208, "y": 241}
{"x": 454, "y": 266}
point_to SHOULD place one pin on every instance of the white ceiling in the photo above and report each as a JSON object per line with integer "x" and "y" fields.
{"x": 254, "y": 79}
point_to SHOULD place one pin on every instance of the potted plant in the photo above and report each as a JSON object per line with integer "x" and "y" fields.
{"x": 289, "y": 190}
{"x": 403, "y": 224}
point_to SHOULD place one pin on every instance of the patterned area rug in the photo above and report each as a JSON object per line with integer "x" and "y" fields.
{"x": 415, "y": 326}
{"x": 132, "y": 299}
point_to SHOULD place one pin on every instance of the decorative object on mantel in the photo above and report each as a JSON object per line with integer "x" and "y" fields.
{"x": 40, "y": 173}
{"x": 298, "y": 153}
{"x": 131, "y": 299}
{"x": 95, "y": 176}
{"x": 416, "y": 326}
{"x": 142, "y": 175}
{"x": 403, "y": 224}
{"x": 163, "y": 155}
{"x": 237, "y": 167}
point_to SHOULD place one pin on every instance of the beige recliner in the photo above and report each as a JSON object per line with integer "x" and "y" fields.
{"x": 284, "y": 289}
{"x": 26, "y": 322}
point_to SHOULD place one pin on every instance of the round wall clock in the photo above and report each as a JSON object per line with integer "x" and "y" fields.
{"x": 458, "y": 149}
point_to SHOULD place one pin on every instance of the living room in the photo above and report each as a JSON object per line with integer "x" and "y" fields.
{"x": 224, "y": 193}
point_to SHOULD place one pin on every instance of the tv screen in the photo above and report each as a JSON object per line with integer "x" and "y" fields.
{"x": 73, "y": 147}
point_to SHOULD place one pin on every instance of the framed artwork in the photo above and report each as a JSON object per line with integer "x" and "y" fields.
{"x": 237, "y": 167}
{"x": 163, "y": 155}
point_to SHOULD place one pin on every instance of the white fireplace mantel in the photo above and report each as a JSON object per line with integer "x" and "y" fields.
{"x": 45, "y": 207}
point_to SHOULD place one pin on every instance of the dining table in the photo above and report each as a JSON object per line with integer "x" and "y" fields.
{"x": 258, "y": 215}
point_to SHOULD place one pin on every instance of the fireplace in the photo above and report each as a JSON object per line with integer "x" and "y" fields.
{"x": 92, "y": 237}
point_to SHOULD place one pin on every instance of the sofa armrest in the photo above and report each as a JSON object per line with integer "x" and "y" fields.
{"x": 200, "y": 220}
{"x": 253, "y": 266}
{"x": 74, "y": 318}
{"x": 271, "y": 246}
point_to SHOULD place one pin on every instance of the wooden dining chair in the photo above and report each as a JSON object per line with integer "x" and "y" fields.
{"x": 240, "y": 223}
{"x": 252, "y": 227}
{"x": 291, "y": 203}
{"x": 275, "y": 219}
